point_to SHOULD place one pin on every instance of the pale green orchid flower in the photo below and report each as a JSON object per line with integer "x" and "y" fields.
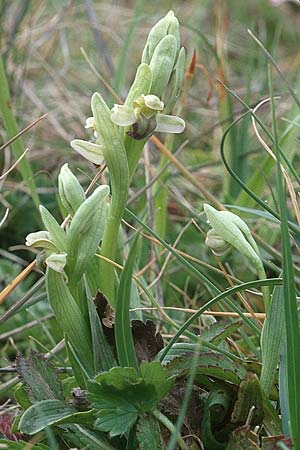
{"x": 93, "y": 151}
{"x": 51, "y": 256}
{"x": 145, "y": 117}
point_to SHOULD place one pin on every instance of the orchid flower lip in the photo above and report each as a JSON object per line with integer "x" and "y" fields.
{"x": 146, "y": 107}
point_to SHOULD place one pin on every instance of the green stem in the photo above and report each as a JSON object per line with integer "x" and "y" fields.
{"x": 11, "y": 128}
{"x": 169, "y": 425}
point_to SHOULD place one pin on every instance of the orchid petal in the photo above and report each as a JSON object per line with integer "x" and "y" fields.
{"x": 40, "y": 239}
{"x": 123, "y": 115}
{"x": 153, "y": 102}
{"x": 57, "y": 261}
{"x": 169, "y": 124}
{"x": 90, "y": 122}
{"x": 90, "y": 151}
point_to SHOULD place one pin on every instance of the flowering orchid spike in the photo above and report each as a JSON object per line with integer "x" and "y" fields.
{"x": 90, "y": 151}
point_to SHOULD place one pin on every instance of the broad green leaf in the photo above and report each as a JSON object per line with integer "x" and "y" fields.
{"x": 69, "y": 317}
{"x": 212, "y": 364}
{"x": 86, "y": 231}
{"x": 148, "y": 433}
{"x": 123, "y": 334}
{"x": 39, "y": 377}
{"x": 58, "y": 236}
{"x": 43, "y": 414}
{"x": 52, "y": 412}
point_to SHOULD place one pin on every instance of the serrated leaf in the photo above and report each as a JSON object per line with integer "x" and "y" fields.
{"x": 40, "y": 377}
{"x": 119, "y": 396}
{"x": 153, "y": 373}
{"x": 148, "y": 433}
{"x": 212, "y": 364}
{"x": 117, "y": 422}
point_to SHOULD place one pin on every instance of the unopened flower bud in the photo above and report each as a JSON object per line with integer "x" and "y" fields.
{"x": 70, "y": 190}
{"x": 167, "y": 25}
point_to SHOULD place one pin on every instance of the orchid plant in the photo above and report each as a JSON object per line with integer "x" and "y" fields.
{"x": 70, "y": 254}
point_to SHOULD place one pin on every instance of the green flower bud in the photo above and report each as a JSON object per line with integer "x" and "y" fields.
{"x": 172, "y": 91}
{"x": 233, "y": 230}
{"x": 167, "y": 25}
{"x": 162, "y": 64}
{"x": 70, "y": 190}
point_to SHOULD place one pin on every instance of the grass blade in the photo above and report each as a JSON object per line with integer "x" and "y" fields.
{"x": 123, "y": 335}
{"x": 11, "y": 127}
